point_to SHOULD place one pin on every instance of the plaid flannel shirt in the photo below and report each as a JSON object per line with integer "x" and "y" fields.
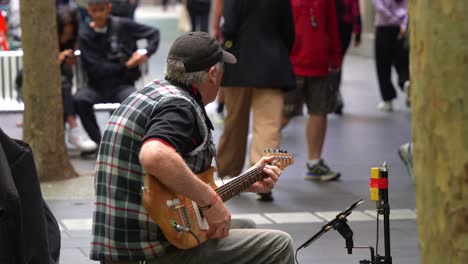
{"x": 122, "y": 229}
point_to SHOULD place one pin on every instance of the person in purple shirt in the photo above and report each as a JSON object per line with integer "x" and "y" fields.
{"x": 391, "y": 24}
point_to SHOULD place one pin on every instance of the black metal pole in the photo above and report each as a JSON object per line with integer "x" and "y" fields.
{"x": 385, "y": 209}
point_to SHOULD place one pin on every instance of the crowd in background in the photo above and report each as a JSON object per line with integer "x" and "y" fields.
{"x": 290, "y": 54}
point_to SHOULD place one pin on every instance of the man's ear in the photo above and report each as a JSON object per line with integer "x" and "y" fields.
{"x": 212, "y": 73}
{"x": 109, "y": 7}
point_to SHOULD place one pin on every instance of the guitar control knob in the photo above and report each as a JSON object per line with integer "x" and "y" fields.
{"x": 173, "y": 202}
{"x": 179, "y": 228}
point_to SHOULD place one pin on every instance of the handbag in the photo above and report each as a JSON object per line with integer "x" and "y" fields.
{"x": 184, "y": 24}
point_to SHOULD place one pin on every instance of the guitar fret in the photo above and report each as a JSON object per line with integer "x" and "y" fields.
{"x": 239, "y": 184}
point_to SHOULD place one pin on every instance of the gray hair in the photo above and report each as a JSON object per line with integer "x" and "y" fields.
{"x": 175, "y": 71}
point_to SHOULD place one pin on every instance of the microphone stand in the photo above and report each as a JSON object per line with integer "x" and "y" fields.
{"x": 379, "y": 193}
{"x": 339, "y": 223}
{"x": 383, "y": 207}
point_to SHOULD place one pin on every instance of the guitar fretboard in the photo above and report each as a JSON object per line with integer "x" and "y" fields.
{"x": 240, "y": 183}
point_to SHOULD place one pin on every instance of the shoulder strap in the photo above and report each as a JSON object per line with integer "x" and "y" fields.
{"x": 113, "y": 35}
{"x": 114, "y": 26}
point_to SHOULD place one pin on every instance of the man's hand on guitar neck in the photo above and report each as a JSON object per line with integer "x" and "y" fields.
{"x": 218, "y": 218}
{"x": 272, "y": 174}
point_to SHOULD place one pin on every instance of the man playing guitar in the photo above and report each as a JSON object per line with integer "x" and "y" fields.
{"x": 154, "y": 155}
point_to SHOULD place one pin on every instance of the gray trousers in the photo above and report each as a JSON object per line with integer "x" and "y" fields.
{"x": 243, "y": 245}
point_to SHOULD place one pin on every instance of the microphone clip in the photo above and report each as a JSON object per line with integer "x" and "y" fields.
{"x": 345, "y": 231}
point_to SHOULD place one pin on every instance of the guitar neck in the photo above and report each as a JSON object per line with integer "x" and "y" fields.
{"x": 240, "y": 183}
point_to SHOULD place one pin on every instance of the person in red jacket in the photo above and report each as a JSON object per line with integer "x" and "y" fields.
{"x": 316, "y": 53}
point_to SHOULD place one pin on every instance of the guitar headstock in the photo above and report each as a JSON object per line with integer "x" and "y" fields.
{"x": 282, "y": 157}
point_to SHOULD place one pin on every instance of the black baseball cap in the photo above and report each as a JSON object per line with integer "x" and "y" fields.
{"x": 198, "y": 51}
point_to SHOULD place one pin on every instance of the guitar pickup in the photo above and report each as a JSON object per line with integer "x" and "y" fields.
{"x": 202, "y": 223}
{"x": 184, "y": 216}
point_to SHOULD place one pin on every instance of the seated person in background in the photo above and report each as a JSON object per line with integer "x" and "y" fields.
{"x": 170, "y": 139}
{"x": 110, "y": 60}
{"x": 67, "y": 26}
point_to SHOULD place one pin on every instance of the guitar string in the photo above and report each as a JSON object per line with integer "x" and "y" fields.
{"x": 227, "y": 188}
{"x": 245, "y": 178}
{"x": 223, "y": 190}
{"x": 232, "y": 185}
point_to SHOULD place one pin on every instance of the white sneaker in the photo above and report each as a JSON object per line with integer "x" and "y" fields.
{"x": 80, "y": 140}
{"x": 385, "y": 106}
{"x": 406, "y": 89}
{"x": 406, "y": 154}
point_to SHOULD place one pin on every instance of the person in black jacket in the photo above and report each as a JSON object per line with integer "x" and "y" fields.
{"x": 111, "y": 60}
{"x": 29, "y": 232}
{"x": 261, "y": 35}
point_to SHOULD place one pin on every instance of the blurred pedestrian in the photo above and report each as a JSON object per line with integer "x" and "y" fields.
{"x": 391, "y": 23}
{"x": 218, "y": 10}
{"x": 164, "y": 4}
{"x": 316, "y": 54}
{"x": 349, "y": 23}
{"x": 199, "y": 11}
{"x": 260, "y": 34}
{"x": 110, "y": 60}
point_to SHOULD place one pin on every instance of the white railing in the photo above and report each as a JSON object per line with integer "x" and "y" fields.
{"x": 11, "y": 63}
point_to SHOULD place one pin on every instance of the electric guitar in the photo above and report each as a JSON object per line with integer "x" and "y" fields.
{"x": 180, "y": 219}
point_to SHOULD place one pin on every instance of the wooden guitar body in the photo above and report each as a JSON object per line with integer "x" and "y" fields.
{"x": 167, "y": 209}
{"x": 180, "y": 219}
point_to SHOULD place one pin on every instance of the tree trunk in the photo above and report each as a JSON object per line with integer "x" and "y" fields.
{"x": 43, "y": 113}
{"x": 439, "y": 86}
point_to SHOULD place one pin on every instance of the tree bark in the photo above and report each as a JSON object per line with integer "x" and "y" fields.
{"x": 439, "y": 85}
{"x": 43, "y": 114}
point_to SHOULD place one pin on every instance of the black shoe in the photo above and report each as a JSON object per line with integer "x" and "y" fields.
{"x": 339, "y": 110}
{"x": 265, "y": 197}
{"x": 339, "y": 104}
